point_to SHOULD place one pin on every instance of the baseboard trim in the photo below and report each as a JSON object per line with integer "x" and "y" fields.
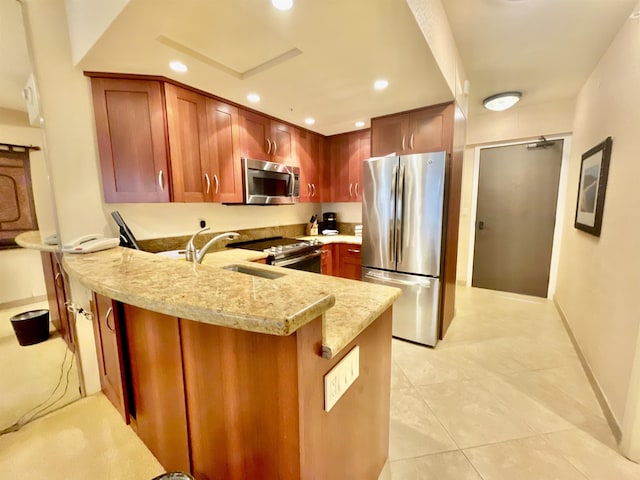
{"x": 24, "y": 301}
{"x": 597, "y": 389}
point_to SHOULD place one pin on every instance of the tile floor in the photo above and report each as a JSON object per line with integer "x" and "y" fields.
{"x": 502, "y": 398}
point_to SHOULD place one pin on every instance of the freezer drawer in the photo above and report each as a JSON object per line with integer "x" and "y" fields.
{"x": 415, "y": 313}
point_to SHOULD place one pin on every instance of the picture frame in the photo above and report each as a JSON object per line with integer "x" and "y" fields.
{"x": 592, "y": 187}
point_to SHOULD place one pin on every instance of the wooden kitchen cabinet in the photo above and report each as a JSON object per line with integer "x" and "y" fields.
{"x": 309, "y": 148}
{"x": 419, "y": 131}
{"x": 107, "y": 329}
{"x": 350, "y": 261}
{"x": 157, "y": 380}
{"x": 347, "y": 152}
{"x": 191, "y": 165}
{"x": 130, "y": 125}
{"x": 264, "y": 139}
{"x": 56, "y": 297}
{"x": 327, "y": 259}
{"x": 224, "y": 149}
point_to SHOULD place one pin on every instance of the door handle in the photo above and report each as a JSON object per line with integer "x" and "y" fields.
{"x": 395, "y": 281}
{"x": 356, "y": 189}
{"x": 392, "y": 238}
{"x": 206, "y": 177}
{"x": 400, "y": 215}
{"x": 275, "y": 147}
{"x": 106, "y": 318}
{"x": 480, "y": 225}
{"x": 268, "y": 146}
{"x": 313, "y": 186}
{"x": 411, "y": 142}
{"x": 350, "y": 190}
{"x": 161, "y": 181}
{"x": 215, "y": 177}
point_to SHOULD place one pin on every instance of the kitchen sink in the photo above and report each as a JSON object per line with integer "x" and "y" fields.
{"x": 256, "y": 272}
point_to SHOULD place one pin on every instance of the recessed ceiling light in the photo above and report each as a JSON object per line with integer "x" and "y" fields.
{"x": 282, "y": 4}
{"x": 359, "y": 124}
{"x": 309, "y": 121}
{"x": 178, "y": 66}
{"x": 380, "y": 84}
{"x": 253, "y": 97}
{"x": 501, "y": 101}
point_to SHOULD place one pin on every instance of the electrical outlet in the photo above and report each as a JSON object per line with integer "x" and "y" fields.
{"x": 203, "y": 223}
{"x": 341, "y": 377}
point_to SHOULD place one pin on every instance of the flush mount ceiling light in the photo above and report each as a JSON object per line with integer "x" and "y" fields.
{"x": 359, "y": 124}
{"x": 501, "y": 101}
{"x": 178, "y": 66}
{"x": 282, "y": 4}
{"x": 380, "y": 84}
{"x": 253, "y": 97}
{"x": 309, "y": 121}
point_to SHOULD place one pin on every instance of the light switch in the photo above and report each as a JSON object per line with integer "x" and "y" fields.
{"x": 341, "y": 377}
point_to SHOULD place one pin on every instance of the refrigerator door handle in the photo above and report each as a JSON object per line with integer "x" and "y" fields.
{"x": 395, "y": 281}
{"x": 400, "y": 214}
{"x": 392, "y": 244}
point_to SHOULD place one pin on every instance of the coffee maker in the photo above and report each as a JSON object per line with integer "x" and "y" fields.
{"x": 329, "y": 221}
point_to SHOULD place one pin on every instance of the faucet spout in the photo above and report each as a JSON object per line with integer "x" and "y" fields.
{"x": 190, "y": 250}
{"x": 203, "y": 251}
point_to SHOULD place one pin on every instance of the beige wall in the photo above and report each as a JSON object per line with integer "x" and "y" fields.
{"x": 599, "y": 277}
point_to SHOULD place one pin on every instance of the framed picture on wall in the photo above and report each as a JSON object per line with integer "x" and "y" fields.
{"x": 592, "y": 188}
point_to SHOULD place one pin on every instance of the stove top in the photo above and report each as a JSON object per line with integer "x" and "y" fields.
{"x": 279, "y": 247}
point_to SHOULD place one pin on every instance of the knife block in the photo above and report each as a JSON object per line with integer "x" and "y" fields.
{"x": 312, "y": 229}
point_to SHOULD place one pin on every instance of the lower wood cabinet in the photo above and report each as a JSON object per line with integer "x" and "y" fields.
{"x": 107, "y": 329}
{"x": 326, "y": 259}
{"x": 56, "y": 296}
{"x": 350, "y": 261}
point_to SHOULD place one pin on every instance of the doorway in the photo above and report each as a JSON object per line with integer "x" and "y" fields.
{"x": 516, "y": 217}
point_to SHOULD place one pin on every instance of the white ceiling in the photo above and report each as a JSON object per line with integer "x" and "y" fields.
{"x": 323, "y": 56}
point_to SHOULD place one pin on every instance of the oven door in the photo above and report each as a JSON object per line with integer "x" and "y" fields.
{"x": 308, "y": 263}
{"x": 268, "y": 183}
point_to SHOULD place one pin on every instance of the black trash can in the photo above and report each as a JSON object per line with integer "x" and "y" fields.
{"x": 174, "y": 476}
{"x": 31, "y": 327}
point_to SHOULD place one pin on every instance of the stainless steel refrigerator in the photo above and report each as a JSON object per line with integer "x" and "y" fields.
{"x": 402, "y": 223}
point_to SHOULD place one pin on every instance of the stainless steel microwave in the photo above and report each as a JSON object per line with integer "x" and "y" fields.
{"x": 268, "y": 183}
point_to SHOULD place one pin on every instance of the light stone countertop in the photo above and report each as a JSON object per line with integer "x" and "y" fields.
{"x": 335, "y": 239}
{"x": 210, "y": 294}
{"x": 32, "y": 240}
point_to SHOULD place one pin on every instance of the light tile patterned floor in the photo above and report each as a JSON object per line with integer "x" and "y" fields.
{"x": 502, "y": 398}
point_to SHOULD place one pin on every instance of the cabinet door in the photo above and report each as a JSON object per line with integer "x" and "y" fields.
{"x": 431, "y": 129}
{"x": 157, "y": 380}
{"x": 255, "y": 131}
{"x": 107, "y": 333}
{"x": 189, "y": 144}
{"x": 326, "y": 259}
{"x": 130, "y": 125}
{"x": 339, "y": 160}
{"x": 350, "y": 261}
{"x": 389, "y": 135}
{"x": 307, "y": 148}
{"x": 224, "y": 147}
{"x": 56, "y": 297}
{"x": 282, "y": 144}
{"x": 359, "y": 151}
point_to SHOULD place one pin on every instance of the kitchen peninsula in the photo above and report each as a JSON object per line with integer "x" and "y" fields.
{"x": 222, "y": 373}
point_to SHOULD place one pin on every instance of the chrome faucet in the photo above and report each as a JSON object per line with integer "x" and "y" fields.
{"x": 194, "y": 255}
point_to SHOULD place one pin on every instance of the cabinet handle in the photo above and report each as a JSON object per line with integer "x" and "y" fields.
{"x": 356, "y": 189}
{"x": 313, "y": 185}
{"x": 55, "y": 279}
{"x": 403, "y": 138}
{"x": 275, "y": 147}
{"x": 411, "y": 142}
{"x": 352, "y": 250}
{"x": 106, "y": 319}
{"x": 269, "y": 146}
{"x": 161, "y": 181}
{"x": 215, "y": 177}
{"x": 308, "y": 189}
{"x": 350, "y": 190}
{"x": 206, "y": 177}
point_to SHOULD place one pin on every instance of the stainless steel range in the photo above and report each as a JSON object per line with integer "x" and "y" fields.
{"x": 286, "y": 252}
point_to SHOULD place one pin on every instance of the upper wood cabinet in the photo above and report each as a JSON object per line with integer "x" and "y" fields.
{"x": 130, "y": 125}
{"x": 191, "y": 166}
{"x": 420, "y": 131}
{"x": 309, "y": 148}
{"x": 224, "y": 149}
{"x": 347, "y": 152}
{"x": 264, "y": 139}
{"x": 108, "y": 329}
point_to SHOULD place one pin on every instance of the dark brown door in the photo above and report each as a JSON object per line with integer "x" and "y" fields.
{"x": 255, "y": 130}
{"x": 339, "y": 159}
{"x": 281, "y": 143}
{"x": 107, "y": 333}
{"x": 359, "y": 151}
{"x": 130, "y": 125}
{"x": 430, "y": 129}
{"x": 191, "y": 170}
{"x": 517, "y": 197}
{"x": 224, "y": 147}
{"x": 387, "y": 134}
{"x": 350, "y": 261}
